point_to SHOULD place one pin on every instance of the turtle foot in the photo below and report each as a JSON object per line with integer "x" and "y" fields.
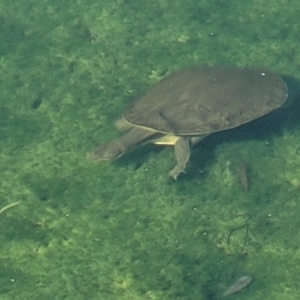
{"x": 174, "y": 173}
{"x": 182, "y": 154}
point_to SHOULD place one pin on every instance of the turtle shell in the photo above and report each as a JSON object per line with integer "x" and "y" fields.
{"x": 207, "y": 99}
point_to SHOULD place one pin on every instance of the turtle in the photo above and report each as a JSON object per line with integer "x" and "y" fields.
{"x": 188, "y": 105}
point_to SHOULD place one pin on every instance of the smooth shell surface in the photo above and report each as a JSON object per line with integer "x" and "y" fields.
{"x": 207, "y": 99}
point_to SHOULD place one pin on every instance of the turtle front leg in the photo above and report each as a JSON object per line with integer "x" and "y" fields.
{"x": 182, "y": 154}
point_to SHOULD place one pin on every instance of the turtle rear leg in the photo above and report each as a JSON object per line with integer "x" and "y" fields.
{"x": 182, "y": 154}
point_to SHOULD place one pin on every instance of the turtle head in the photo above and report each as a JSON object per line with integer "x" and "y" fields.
{"x": 108, "y": 151}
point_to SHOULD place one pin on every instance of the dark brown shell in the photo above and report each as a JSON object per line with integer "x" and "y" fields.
{"x": 207, "y": 99}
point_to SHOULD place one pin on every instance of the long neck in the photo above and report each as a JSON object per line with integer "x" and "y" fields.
{"x": 134, "y": 137}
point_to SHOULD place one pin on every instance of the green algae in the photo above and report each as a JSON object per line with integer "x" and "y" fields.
{"x": 122, "y": 230}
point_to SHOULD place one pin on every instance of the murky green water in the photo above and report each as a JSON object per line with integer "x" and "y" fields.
{"x": 123, "y": 230}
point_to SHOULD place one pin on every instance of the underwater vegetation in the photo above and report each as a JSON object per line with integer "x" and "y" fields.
{"x": 74, "y": 229}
